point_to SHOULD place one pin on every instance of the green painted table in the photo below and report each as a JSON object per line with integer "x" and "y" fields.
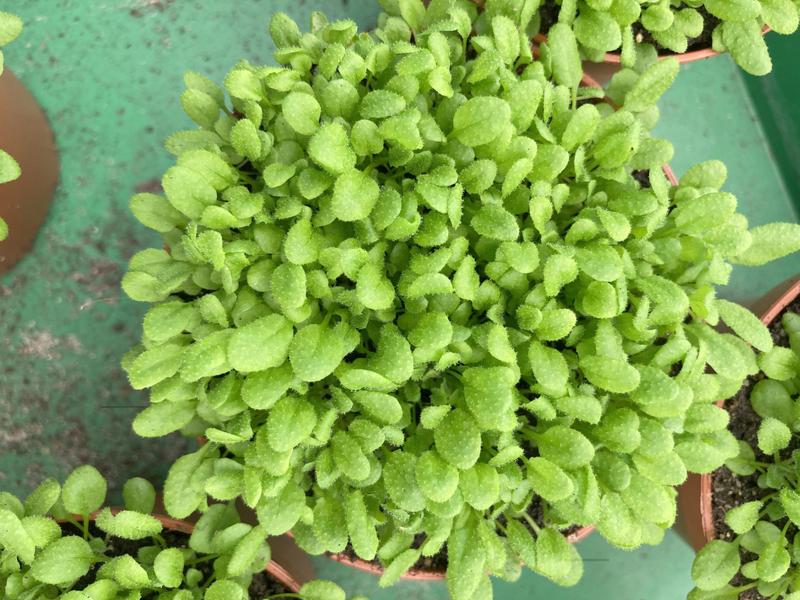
{"x": 108, "y": 73}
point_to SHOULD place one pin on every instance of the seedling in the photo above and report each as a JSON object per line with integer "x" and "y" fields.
{"x": 410, "y": 289}
{"x": 60, "y": 543}
{"x": 602, "y": 26}
{"x": 765, "y": 551}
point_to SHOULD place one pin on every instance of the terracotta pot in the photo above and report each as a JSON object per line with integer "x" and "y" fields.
{"x": 275, "y": 570}
{"x": 26, "y": 135}
{"x": 604, "y": 71}
{"x": 695, "y": 521}
{"x": 420, "y": 575}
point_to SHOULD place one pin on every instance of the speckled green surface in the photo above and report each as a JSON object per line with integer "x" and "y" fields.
{"x": 108, "y": 73}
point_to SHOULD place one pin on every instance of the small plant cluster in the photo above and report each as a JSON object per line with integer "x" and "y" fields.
{"x": 60, "y": 543}
{"x": 413, "y": 290}
{"x": 10, "y": 28}
{"x": 766, "y": 529}
{"x": 736, "y": 26}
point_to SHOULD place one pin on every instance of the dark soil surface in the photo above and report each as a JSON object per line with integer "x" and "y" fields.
{"x": 549, "y": 14}
{"x": 730, "y": 490}
{"x": 262, "y": 586}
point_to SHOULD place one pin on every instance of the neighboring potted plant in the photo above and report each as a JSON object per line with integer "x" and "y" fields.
{"x": 10, "y": 28}
{"x": 27, "y": 141}
{"x": 743, "y": 517}
{"x": 611, "y": 31}
{"x": 60, "y": 542}
{"x": 418, "y": 292}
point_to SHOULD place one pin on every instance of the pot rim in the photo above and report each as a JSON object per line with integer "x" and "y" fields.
{"x": 274, "y": 569}
{"x": 789, "y": 291}
{"x": 685, "y": 57}
{"x": 422, "y": 575}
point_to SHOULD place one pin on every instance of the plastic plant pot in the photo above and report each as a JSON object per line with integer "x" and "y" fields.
{"x": 26, "y": 136}
{"x": 695, "y": 522}
{"x": 275, "y": 570}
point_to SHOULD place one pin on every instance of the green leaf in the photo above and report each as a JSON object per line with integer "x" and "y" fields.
{"x": 128, "y": 524}
{"x": 521, "y": 542}
{"x": 567, "y": 68}
{"x": 279, "y": 514}
{"x": 181, "y": 497}
{"x": 380, "y": 104}
{"x": 139, "y": 495}
{"x": 363, "y": 536}
{"x": 224, "y": 589}
{"x": 380, "y": 407}
{"x": 64, "y": 561}
{"x": 321, "y": 590}
{"x": 262, "y": 390}
{"x": 715, "y": 565}
{"x": 246, "y": 551}
{"x": 610, "y": 374}
{"x": 330, "y": 148}
{"x": 14, "y": 539}
{"x": 770, "y": 242}
{"x": 548, "y": 480}
{"x": 494, "y": 222}
{"x": 162, "y": 418}
{"x": 549, "y": 367}
{"x": 565, "y": 447}
{"x": 84, "y": 490}
{"x": 400, "y": 478}
{"x": 478, "y": 176}
{"x": 245, "y": 139}
{"x": 43, "y": 498}
{"x": 155, "y": 365}
{"x": 374, "y": 290}
{"x": 743, "y": 518}
{"x": 745, "y": 324}
{"x": 283, "y": 30}
{"x": 651, "y": 85}
{"x": 780, "y": 15}
{"x": 733, "y": 10}
{"x": 481, "y": 120}
{"x": 790, "y": 500}
{"x": 290, "y": 422}
{"x": 302, "y": 112}
{"x": 436, "y": 478}
{"x": 745, "y": 41}
{"x": 773, "y": 436}
{"x": 780, "y": 363}
{"x": 247, "y": 350}
{"x": 315, "y": 352}
{"x": 773, "y": 561}
{"x": 10, "y": 28}
{"x": 200, "y": 107}
{"x": 155, "y": 212}
{"x": 480, "y": 486}
{"x": 354, "y": 196}
{"x": 557, "y": 559}
{"x": 398, "y": 567}
{"x": 458, "y": 439}
{"x": 488, "y": 394}
{"x": 168, "y": 567}
{"x": 9, "y": 168}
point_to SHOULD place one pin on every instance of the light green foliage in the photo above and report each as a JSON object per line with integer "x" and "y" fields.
{"x": 48, "y": 558}
{"x": 436, "y": 296}
{"x": 764, "y": 527}
{"x": 605, "y": 26}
